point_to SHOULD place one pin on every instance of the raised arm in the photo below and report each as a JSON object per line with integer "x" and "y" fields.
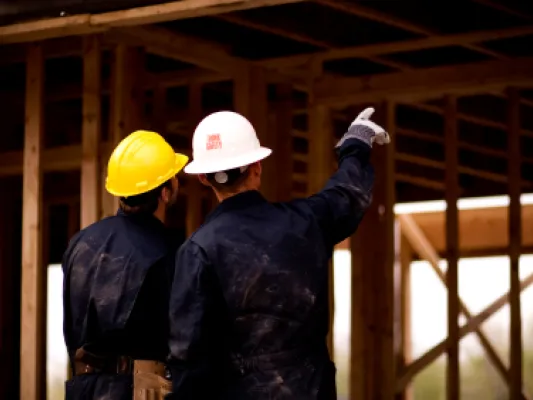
{"x": 339, "y": 207}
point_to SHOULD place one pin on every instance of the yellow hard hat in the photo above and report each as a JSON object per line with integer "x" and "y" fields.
{"x": 141, "y": 162}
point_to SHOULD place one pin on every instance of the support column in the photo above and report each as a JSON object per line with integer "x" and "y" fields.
{"x": 193, "y": 219}
{"x": 280, "y": 128}
{"x": 372, "y": 355}
{"x": 515, "y": 242}
{"x": 32, "y": 335}
{"x": 402, "y": 306}
{"x": 321, "y": 153}
{"x": 251, "y": 100}
{"x": 452, "y": 245}
{"x": 91, "y": 135}
{"x": 127, "y": 105}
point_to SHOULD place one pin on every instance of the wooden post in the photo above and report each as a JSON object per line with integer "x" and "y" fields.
{"x": 372, "y": 357}
{"x": 515, "y": 242}
{"x": 321, "y": 152}
{"x": 250, "y": 100}
{"x": 32, "y": 344}
{"x": 193, "y": 219}
{"x": 402, "y": 306}
{"x": 280, "y": 131}
{"x": 91, "y": 135}
{"x": 452, "y": 244}
{"x": 127, "y": 104}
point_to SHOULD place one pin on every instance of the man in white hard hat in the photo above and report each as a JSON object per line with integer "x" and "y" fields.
{"x": 249, "y": 302}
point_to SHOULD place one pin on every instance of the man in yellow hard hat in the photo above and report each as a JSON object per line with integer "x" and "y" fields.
{"x": 116, "y": 279}
{"x": 249, "y": 302}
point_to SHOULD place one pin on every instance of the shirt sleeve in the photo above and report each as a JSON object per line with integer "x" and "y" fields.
{"x": 191, "y": 303}
{"x": 339, "y": 207}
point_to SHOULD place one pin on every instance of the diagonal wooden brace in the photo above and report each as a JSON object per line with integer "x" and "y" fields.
{"x": 423, "y": 247}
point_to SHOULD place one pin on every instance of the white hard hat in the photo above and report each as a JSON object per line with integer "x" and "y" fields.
{"x": 224, "y": 140}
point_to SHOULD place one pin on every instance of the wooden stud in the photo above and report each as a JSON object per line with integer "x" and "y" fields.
{"x": 127, "y": 104}
{"x": 471, "y": 326}
{"x": 193, "y": 218}
{"x": 425, "y": 250}
{"x": 250, "y": 100}
{"x": 321, "y": 152}
{"x": 91, "y": 135}
{"x": 452, "y": 245}
{"x": 402, "y": 306}
{"x": 32, "y": 343}
{"x": 372, "y": 359}
{"x": 515, "y": 239}
{"x": 280, "y": 129}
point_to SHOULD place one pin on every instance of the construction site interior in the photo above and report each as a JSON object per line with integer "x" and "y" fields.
{"x": 418, "y": 314}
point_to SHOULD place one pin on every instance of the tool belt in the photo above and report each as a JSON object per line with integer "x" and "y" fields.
{"x": 89, "y": 363}
{"x": 149, "y": 377}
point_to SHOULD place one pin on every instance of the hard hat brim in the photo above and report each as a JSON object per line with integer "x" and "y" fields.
{"x": 181, "y": 161}
{"x": 210, "y": 166}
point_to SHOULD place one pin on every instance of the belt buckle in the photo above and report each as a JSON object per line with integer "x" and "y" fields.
{"x": 124, "y": 365}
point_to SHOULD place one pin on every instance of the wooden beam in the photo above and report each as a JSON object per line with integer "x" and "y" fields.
{"x": 91, "y": 135}
{"x": 474, "y": 323}
{"x": 426, "y": 83}
{"x": 432, "y": 163}
{"x": 372, "y": 355}
{"x": 194, "y": 217}
{"x": 400, "y": 23}
{"x": 280, "y": 129}
{"x": 402, "y": 306}
{"x": 452, "y": 245}
{"x": 206, "y": 54}
{"x": 467, "y": 118}
{"x": 515, "y": 243}
{"x": 431, "y": 42}
{"x": 32, "y": 333}
{"x": 93, "y": 23}
{"x": 423, "y": 247}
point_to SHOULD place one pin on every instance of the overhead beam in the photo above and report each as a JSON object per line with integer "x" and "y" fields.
{"x": 400, "y": 46}
{"x": 387, "y": 19}
{"x": 202, "y": 53}
{"x": 82, "y": 24}
{"x": 426, "y": 83}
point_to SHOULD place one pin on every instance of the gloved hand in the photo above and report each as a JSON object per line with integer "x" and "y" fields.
{"x": 365, "y": 130}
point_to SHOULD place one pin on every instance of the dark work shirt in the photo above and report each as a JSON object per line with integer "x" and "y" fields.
{"x": 116, "y": 287}
{"x": 249, "y": 307}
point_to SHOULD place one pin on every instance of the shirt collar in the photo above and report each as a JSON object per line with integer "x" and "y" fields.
{"x": 239, "y": 201}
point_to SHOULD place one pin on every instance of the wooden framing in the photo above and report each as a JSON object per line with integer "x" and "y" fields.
{"x": 91, "y": 135}
{"x": 87, "y": 23}
{"x": 515, "y": 239}
{"x": 32, "y": 331}
{"x": 295, "y": 102}
{"x": 372, "y": 349}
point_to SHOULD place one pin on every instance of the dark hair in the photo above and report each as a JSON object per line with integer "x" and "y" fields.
{"x": 229, "y": 180}
{"x": 145, "y": 203}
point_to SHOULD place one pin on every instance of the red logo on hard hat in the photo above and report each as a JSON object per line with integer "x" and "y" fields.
{"x": 213, "y": 142}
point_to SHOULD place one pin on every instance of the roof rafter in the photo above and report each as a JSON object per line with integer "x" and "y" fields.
{"x": 431, "y": 42}
{"x": 360, "y": 11}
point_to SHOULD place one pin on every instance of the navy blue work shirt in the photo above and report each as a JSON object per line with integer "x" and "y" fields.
{"x": 117, "y": 275}
{"x": 249, "y": 311}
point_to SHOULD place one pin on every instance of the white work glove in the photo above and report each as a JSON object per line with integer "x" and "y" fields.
{"x": 365, "y": 130}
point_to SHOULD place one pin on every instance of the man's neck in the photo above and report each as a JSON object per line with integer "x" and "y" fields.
{"x": 160, "y": 214}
